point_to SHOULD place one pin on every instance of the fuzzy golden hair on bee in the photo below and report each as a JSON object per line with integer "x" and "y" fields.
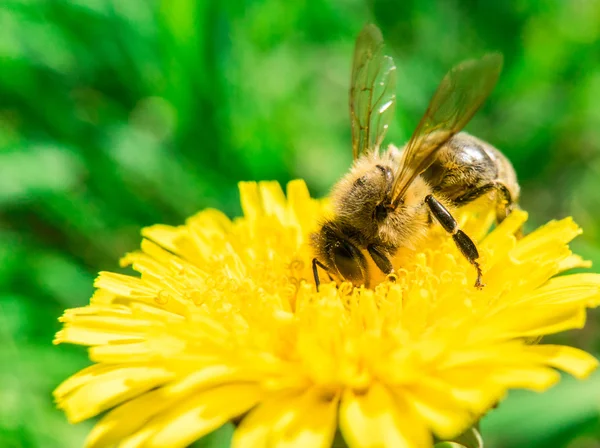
{"x": 359, "y": 199}
{"x": 364, "y": 186}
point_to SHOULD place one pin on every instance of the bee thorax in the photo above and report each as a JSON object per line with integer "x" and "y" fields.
{"x": 361, "y": 196}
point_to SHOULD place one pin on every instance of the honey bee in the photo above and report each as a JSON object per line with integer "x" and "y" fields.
{"x": 391, "y": 197}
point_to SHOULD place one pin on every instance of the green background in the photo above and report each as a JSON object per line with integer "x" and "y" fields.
{"x": 119, "y": 114}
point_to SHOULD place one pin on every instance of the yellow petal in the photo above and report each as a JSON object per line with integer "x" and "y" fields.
{"x": 540, "y": 321}
{"x": 533, "y": 378}
{"x": 167, "y": 259}
{"x": 496, "y": 243}
{"x": 250, "y": 200}
{"x": 214, "y": 222}
{"x": 102, "y": 324}
{"x": 164, "y": 235}
{"x": 572, "y": 262}
{"x": 376, "y": 419}
{"x": 553, "y": 233}
{"x": 202, "y": 414}
{"x": 473, "y": 388}
{"x": 566, "y": 289}
{"x": 273, "y": 200}
{"x": 304, "y": 209}
{"x": 125, "y": 285}
{"x": 434, "y": 402}
{"x": 255, "y": 428}
{"x": 81, "y": 378}
{"x": 313, "y": 424}
{"x": 572, "y": 360}
{"x": 480, "y": 353}
{"x": 290, "y": 420}
{"x": 90, "y": 336}
{"x": 107, "y": 389}
{"x": 124, "y": 420}
{"x": 138, "y": 439}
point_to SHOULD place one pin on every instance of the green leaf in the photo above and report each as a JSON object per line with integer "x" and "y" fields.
{"x": 531, "y": 419}
{"x": 37, "y": 168}
{"x": 221, "y": 438}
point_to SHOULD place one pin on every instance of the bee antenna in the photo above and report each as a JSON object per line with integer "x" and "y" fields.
{"x": 315, "y": 265}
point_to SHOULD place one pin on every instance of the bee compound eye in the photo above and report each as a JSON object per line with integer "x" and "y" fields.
{"x": 349, "y": 262}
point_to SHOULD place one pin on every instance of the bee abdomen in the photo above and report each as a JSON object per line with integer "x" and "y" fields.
{"x": 467, "y": 167}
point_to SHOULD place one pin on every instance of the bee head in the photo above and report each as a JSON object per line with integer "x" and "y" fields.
{"x": 335, "y": 248}
{"x": 349, "y": 261}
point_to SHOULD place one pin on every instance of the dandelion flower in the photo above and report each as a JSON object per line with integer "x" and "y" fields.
{"x": 224, "y": 323}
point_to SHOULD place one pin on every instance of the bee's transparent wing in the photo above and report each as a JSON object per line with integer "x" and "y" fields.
{"x": 461, "y": 92}
{"x": 372, "y": 91}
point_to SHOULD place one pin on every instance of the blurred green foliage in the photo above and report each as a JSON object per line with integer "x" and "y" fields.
{"x": 117, "y": 114}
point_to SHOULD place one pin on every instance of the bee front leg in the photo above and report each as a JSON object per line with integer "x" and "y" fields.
{"x": 381, "y": 259}
{"x": 461, "y": 239}
{"x": 315, "y": 265}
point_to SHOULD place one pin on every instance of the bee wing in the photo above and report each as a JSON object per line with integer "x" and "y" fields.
{"x": 460, "y": 94}
{"x": 372, "y": 91}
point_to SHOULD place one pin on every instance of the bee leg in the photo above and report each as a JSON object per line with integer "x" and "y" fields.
{"x": 504, "y": 207}
{"x": 475, "y": 193}
{"x": 461, "y": 239}
{"x": 504, "y": 204}
{"x": 380, "y": 259}
{"x": 504, "y": 201}
{"x": 316, "y": 263}
{"x": 519, "y": 233}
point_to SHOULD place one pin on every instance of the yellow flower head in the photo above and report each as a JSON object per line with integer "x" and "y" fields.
{"x": 225, "y": 323}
